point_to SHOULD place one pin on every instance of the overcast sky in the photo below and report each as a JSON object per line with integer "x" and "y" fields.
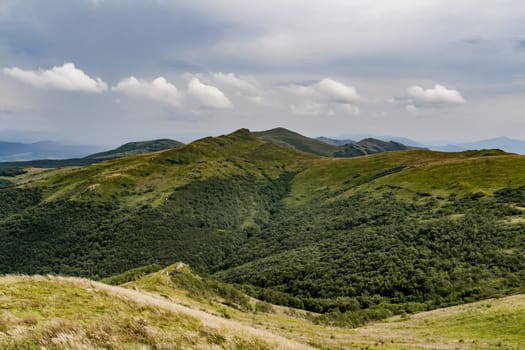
{"x": 109, "y": 71}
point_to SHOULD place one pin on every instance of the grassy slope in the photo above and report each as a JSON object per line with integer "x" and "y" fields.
{"x": 153, "y": 312}
{"x": 69, "y": 313}
{"x": 411, "y": 171}
{"x": 165, "y": 181}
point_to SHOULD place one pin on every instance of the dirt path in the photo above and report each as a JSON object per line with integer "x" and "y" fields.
{"x": 207, "y": 319}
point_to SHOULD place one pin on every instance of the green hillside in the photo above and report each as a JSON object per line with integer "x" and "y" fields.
{"x": 356, "y": 239}
{"x": 177, "y": 309}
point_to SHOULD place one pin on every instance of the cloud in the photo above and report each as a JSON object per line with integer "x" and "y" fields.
{"x": 159, "y": 90}
{"x": 65, "y": 78}
{"x": 327, "y": 89}
{"x": 242, "y": 84}
{"x": 350, "y": 108}
{"x": 337, "y": 91}
{"x": 208, "y": 96}
{"x": 439, "y": 95}
{"x": 325, "y": 95}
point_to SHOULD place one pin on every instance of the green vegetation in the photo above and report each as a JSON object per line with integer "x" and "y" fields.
{"x": 355, "y": 239}
{"x": 157, "y": 311}
{"x": 131, "y": 275}
{"x": 11, "y": 171}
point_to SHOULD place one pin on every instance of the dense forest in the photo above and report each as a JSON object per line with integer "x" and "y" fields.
{"x": 362, "y": 249}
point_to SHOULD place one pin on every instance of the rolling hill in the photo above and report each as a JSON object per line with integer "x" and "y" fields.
{"x": 174, "y": 308}
{"x": 355, "y": 239}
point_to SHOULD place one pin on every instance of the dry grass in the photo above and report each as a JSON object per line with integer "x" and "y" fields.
{"x": 71, "y": 313}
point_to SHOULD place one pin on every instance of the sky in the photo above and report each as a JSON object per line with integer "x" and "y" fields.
{"x": 105, "y": 72}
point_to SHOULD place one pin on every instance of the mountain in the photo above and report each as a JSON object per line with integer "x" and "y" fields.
{"x": 173, "y": 308}
{"x": 15, "y": 151}
{"x": 140, "y": 147}
{"x": 334, "y": 142}
{"x": 285, "y": 137}
{"x": 369, "y": 146}
{"x": 503, "y": 143}
{"x": 131, "y": 148}
{"x": 330, "y": 148}
{"x": 355, "y": 239}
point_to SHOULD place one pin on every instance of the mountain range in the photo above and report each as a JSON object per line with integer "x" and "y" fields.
{"x": 16, "y": 151}
{"x": 504, "y": 143}
{"x": 349, "y": 240}
{"x": 325, "y": 146}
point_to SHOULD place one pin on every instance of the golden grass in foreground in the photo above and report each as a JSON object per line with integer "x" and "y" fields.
{"x": 70, "y": 313}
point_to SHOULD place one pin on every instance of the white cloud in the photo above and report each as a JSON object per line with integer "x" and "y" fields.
{"x": 243, "y": 86}
{"x": 66, "y": 78}
{"x": 438, "y": 95}
{"x": 322, "y": 96}
{"x": 240, "y": 83}
{"x": 328, "y": 90}
{"x": 158, "y": 89}
{"x": 208, "y": 96}
{"x": 337, "y": 91}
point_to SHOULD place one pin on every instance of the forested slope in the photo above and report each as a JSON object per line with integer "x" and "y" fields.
{"x": 376, "y": 235}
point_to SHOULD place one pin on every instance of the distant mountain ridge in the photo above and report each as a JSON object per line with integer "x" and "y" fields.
{"x": 329, "y": 147}
{"x": 130, "y": 148}
{"x": 136, "y": 147}
{"x": 288, "y": 138}
{"x": 16, "y": 151}
{"x": 335, "y": 142}
{"x": 504, "y": 143}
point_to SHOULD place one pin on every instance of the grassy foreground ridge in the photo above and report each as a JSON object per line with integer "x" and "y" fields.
{"x": 155, "y": 312}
